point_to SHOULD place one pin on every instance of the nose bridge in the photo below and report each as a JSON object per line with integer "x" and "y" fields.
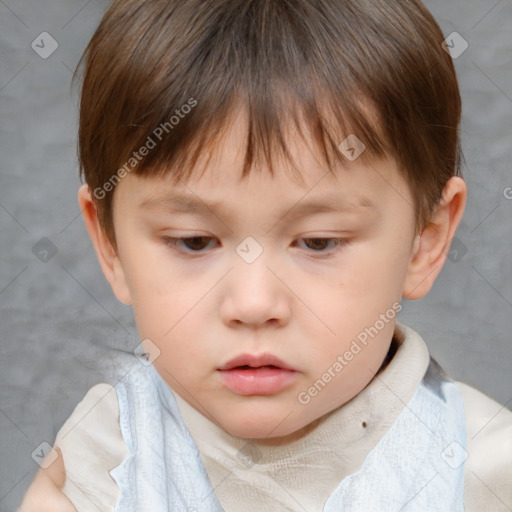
{"x": 254, "y": 293}
{"x": 252, "y": 277}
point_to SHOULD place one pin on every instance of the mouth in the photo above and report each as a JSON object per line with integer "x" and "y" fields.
{"x": 248, "y": 361}
{"x": 256, "y": 375}
{"x": 248, "y": 367}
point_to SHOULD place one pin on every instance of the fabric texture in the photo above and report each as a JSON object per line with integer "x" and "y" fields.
{"x": 164, "y": 471}
{"x": 277, "y": 474}
{"x": 92, "y": 444}
{"x": 204, "y": 457}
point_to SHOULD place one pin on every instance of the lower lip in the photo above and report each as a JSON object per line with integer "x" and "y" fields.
{"x": 257, "y": 381}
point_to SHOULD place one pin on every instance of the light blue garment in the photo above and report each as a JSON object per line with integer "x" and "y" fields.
{"x": 416, "y": 467}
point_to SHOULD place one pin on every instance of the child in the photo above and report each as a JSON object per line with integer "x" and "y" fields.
{"x": 265, "y": 181}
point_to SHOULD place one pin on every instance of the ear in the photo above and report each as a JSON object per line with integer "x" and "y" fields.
{"x": 107, "y": 256}
{"x": 431, "y": 247}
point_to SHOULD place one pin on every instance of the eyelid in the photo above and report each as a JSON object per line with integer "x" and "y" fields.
{"x": 341, "y": 242}
{"x": 173, "y": 242}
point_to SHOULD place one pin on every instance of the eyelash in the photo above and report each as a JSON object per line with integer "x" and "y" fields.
{"x": 173, "y": 244}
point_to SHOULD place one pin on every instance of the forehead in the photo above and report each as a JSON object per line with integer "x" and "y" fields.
{"x": 303, "y": 184}
{"x": 361, "y": 190}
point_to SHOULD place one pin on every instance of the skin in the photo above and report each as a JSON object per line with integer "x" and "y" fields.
{"x": 44, "y": 494}
{"x": 304, "y": 299}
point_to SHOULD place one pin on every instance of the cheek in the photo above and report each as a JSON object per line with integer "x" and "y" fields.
{"x": 355, "y": 359}
{"x": 171, "y": 316}
{"x": 152, "y": 279}
{"x": 382, "y": 266}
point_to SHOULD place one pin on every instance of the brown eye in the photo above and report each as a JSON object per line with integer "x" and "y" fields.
{"x": 187, "y": 245}
{"x": 196, "y": 243}
{"x": 324, "y": 247}
{"x": 316, "y": 244}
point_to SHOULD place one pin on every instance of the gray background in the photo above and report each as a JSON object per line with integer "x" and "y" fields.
{"x": 60, "y": 320}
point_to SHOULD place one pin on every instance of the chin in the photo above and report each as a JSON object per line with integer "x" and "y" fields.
{"x": 256, "y": 432}
{"x": 261, "y": 425}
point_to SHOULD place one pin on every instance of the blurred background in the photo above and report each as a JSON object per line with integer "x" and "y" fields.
{"x": 59, "y": 319}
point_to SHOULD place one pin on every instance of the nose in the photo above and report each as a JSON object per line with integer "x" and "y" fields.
{"x": 255, "y": 295}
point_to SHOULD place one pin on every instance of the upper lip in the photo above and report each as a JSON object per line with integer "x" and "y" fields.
{"x": 255, "y": 361}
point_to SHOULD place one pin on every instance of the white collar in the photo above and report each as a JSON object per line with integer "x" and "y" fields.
{"x": 278, "y": 473}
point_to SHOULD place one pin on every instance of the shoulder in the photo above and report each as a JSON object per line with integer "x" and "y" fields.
{"x": 99, "y": 405}
{"x": 488, "y": 468}
{"x": 92, "y": 444}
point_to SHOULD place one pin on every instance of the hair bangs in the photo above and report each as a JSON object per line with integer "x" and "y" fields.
{"x": 323, "y": 121}
{"x": 164, "y": 79}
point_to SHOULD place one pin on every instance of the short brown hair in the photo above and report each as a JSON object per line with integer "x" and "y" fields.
{"x": 322, "y": 59}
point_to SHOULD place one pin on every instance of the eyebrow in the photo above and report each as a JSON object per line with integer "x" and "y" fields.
{"x": 180, "y": 203}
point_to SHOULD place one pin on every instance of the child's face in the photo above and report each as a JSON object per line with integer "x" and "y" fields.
{"x": 304, "y": 300}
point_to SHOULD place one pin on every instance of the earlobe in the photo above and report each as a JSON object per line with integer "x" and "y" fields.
{"x": 108, "y": 258}
{"x": 431, "y": 248}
